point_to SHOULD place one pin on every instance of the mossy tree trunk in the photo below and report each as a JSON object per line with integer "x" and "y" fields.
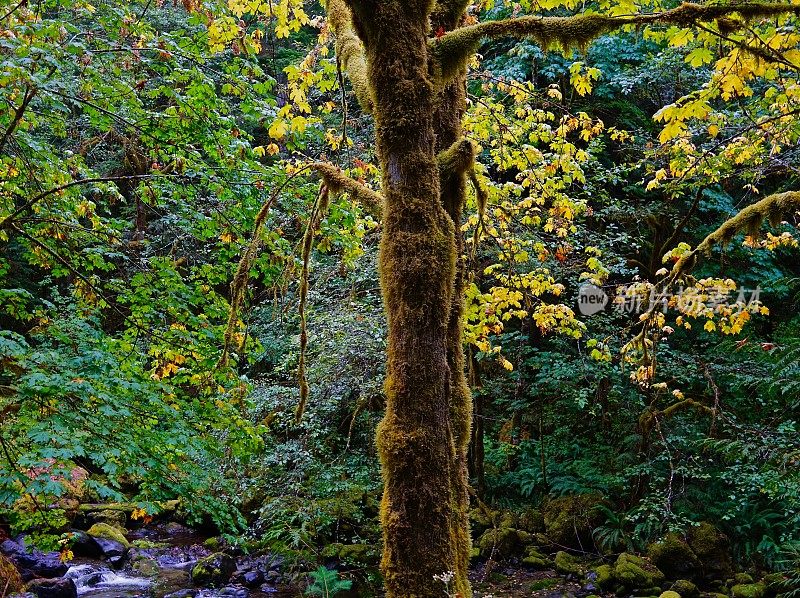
{"x": 423, "y": 437}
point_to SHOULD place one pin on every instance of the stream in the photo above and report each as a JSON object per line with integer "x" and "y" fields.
{"x": 159, "y": 565}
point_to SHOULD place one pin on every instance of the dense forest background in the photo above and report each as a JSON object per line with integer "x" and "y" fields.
{"x": 141, "y": 143}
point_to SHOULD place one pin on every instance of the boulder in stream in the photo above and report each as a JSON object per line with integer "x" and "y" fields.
{"x": 52, "y": 588}
{"x": 214, "y": 570}
{"x": 34, "y": 563}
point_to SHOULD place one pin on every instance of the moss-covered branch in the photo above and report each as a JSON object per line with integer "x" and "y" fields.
{"x": 335, "y": 181}
{"x": 320, "y": 207}
{"x": 773, "y": 208}
{"x": 453, "y": 49}
{"x": 651, "y": 415}
{"x": 338, "y": 182}
{"x": 350, "y": 52}
{"x": 456, "y": 159}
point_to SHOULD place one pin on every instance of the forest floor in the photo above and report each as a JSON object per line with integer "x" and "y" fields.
{"x": 507, "y": 581}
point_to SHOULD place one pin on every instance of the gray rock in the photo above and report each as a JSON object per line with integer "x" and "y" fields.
{"x": 52, "y": 588}
{"x": 35, "y": 563}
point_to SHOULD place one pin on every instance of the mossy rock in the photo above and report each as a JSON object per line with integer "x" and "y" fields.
{"x": 146, "y": 566}
{"x": 544, "y": 584}
{"x": 566, "y": 564}
{"x": 352, "y": 553}
{"x": 669, "y": 594}
{"x": 748, "y": 590}
{"x": 108, "y": 532}
{"x": 480, "y": 520}
{"x": 503, "y": 542}
{"x": 636, "y": 573}
{"x": 675, "y": 558}
{"x": 214, "y": 570}
{"x": 52, "y": 588}
{"x": 685, "y": 588}
{"x": 10, "y": 576}
{"x": 146, "y": 544}
{"x": 474, "y": 553}
{"x": 507, "y": 519}
{"x": 605, "y": 577}
{"x": 537, "y": 560}
{"x": 742, "y": 579}
{"x": 570, "y": 520}
{"x": 213, "y": 543}
{"x": 113, "y": 517}
{"x": 712, "y": 549}
{"x": 531, "y": 520}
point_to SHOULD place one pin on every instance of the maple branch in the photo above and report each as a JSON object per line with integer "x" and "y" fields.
{"x": 11, "y": 218}
{"x": 337, "y": 182}
{"x": 773, "y": 208}
{"x": 350, "y": 52}
{"x": 453, "y": 49}
{"x": 30, "y": 92}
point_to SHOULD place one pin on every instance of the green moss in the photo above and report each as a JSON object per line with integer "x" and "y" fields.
{"x": 674, "y": 557}
{"x": 748, "y": 590}
{"x": 685, "y": 588}
{"x": 669, "y": 594}
{"x": 148, "y": 544}
{"x": 9, "y": 576}
{"x": 114, "y": 517}
{"x": 108, "y": 532}
{"x": 214, "y": 570}
{"x": 146, "y": 566}
{"x": 482, "y": 519}
{"x": 364, "y": 554}
{"x": 502, "y": 542}
{"x": 605, "y": 577}
{"x": 350, "y": 52}
{"x": 743, "y": 578}
{"x": 457, "y": 159}
{"x": 543, "y": 584}
{"x": 712, "y": 549}
{"x": 569, "y": 520}
{"x": 749, "y": 220}
{"x": 537, "y": 560}
{"x": 567, "y": 564}
{"x": 635, "y": 572}
{"x": 453, "y": 49}
{"x": 531, "y": 520}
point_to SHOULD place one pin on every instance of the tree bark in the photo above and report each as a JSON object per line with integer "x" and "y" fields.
{"x": 423, "y": 508}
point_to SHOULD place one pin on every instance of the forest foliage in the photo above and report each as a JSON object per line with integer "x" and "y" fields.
{"x": 141, "y": 141}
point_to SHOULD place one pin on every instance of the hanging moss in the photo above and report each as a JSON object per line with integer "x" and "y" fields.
{"x": 453, "y": 49}
{"x": 336, "y": 182}
{"x": 350, "y": 52}
{"x": 320, "y": 207}
{"x": 773, "y": 208}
